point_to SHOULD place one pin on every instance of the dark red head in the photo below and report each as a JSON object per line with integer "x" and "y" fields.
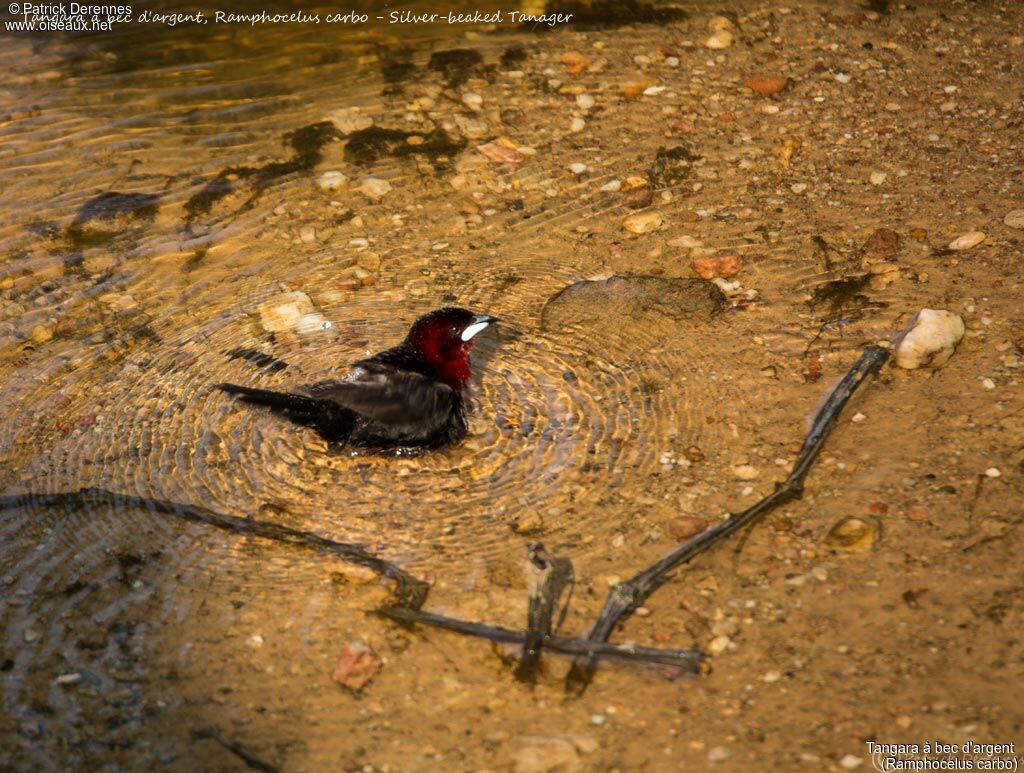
{"x": 444, "y": 338}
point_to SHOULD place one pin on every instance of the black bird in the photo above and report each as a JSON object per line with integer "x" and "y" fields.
{"x": 409, "y": 396}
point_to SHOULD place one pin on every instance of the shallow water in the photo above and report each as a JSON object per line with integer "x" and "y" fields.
{"x": 155, "y": 199}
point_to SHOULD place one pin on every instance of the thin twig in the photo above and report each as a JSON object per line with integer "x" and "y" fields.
{"x": 625, "y": 597}
{"x": 235, "y": 748}
{"x": 686, "y": 660}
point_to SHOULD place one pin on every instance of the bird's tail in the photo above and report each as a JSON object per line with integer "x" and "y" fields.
{"x": 297, "y": 407}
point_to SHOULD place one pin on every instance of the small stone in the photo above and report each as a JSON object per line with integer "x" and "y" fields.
{"x": 545, "y": 754}
{"x": 719, "y": 40}
{"x": 30, "y": 635}
{"x": 284, "y": 311}
{"x": 254, "y": 642}
{"x": 374, "y": 188}
{"x": 877, "y": 178}
{"x": 611, "y": 186}
{"x": 349, "y": 119}
{"x": 41, "y": 334}
{"x": 769, "y": 109}
{"x": 967, "y": 240}
{"x": 883, "y": 244}
{"x": 643, "y": 222}
{"x": 332, "y": 180}
{"x": 798, "y": 187}
{"x": 307, "y": 234}
{"x": 67, "y": 679}
{"x": 530, "y": 523}
{"x": 947, "y": 107}
{"x": 356, "y": 666}
{"x": 746, "y": 472}
{"x": 842, "y": 77}
{"x": 577, "y": 125}
{"x": 766, "y": 85}
{"x": 771, "y": 677}
{"x": 719, "y": 645}
{"x": 577, "y": 168}
{"x": 988, "y": 383}
{"x": 575, "y": 63}
{"x": 585, "y": 101}
{"x": 718, "y": 754}
{"x": 597, "y": 719}
{"x": 850, "y": 762}
{"x": 501, "y": 154}
{"x": 932, "y": 338}
{"x": 858, "y": 418}
{"x": 312, "y": 323}
{"x": 1014, "y": 218}
{"x": 852, "y": 534}
{"x": 472, "y": 100}
{"x": 993, "y": 472}
{"x": 719, "y": 23}
{"x": 917, "y": 513}
{"x": 717, "y": 266}
{"x": 683, "y": 527}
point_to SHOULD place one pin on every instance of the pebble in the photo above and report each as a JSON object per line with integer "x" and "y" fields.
{"x": 531, "y": 523}
{"x": 967, "y": 240}
{"x": 72, "y": 678}
{"x": 746, "y": 472}
{"x": 1014, "y": 218}
{"x": 473, "y": 101}
{"x": 719, "y": 40}
{"x": 543, "y": 754}
{"x": 717, "y": 266}
{"x": 993, "y": 472}
{"x": 931, "y": 340}
{"x": 766, "y": 85}
{"x": 577, "y": 168}
{"x": 719, "y": 645}
{"x": 585, "y": 101}
{"x": 718, "y": 754}
{"x": 988, "y": 383}
{"x": 798, "y": 187}
{"x": 284, "y": 311}
{"x": 850, "y": 762}
{"x": 254, "y": 642}
{"x": 643, "y": 222}
{"x": 719, "y": 23}
{"x": 877, "y": 178}
{"x": 858, "y": 418}
{"x": 597, "y": 719}
{"x": 501, "y": 154}
{"x": 307, "y": 234}
{"x": 842, "y": 77}
{"x": 683, "y": 527}
{"x": 612, "y": 186}
{"x": 356, "y": 666}
{"x": 884, "y": 243}
{"x": 41, "y": 334}
{"x": 375, "y": 188}
{"x": 577, "y": 125}
{"x": 30, "y": 635}
{"x": 350, "y": 119}
{"x": 332, "y": 180}
{"x": 852, "y": 534}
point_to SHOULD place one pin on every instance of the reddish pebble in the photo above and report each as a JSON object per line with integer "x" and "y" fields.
{"x": 882, "y": 244}
{"x": 727, "y": 117}
{"x": 878, "y": 508}
{"x": 683, "y": 126}
{"x": 766, "y": 85}
{"x": 87, "y": 420}
{"x": 689, "y": 216}
{"x": 684, "y": 527}
{"x": 356, "y": 666}
{"x": 717, "y": 266}
{"x": 917, "y": 513}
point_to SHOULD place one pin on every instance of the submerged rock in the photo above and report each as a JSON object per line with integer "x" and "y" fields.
{"x": 931, "y": 339}
{"x": 285, "y": 311}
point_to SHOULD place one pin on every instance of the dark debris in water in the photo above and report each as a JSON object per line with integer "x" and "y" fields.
{"x": 396, "y": 64}
{"x": 307, "y": 144}
{"x": 842, "y": 293}
{"x": 600, "y": 302}
{"x": 672, "y": 166}
{"x": 110, "y": 215}
{"x": 455, "y": 65}
{"x": 366, "y": 146}
{"x": 260, "y": 359}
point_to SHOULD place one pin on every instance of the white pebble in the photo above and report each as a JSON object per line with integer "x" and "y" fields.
{"x": 993, "y": 472}
{"x": 718, "y": 754}
{"x": 577, "y": 125}
{"x": 585, "y": 101}
{"x": 472, "y": 100}
{"x": 877, "y": 178}
{"x": 842, "y": 77}
{"x": 719, "y": 40}
{"x": 967, "y": 240}
{"x": 577, "y": 168}
{"x": 746, "y": 472}
{"x": 988, "y": 383}
{"x": 931, "y": 340}
{"x": 858, "y": 418}
{"x": 611, "y": 186}
{"x": 307, "y": 234}
{"x": 1014, "y": 218}
{"x": 850, "y": 761}
{"x": 332, "y": 181}
{"x": 798, "y": 187}
{"x": 771, "y": 677}
{"x": 597, "y": 719}
{"x": 375, "y": 188}
{"x": 254, "y": 641}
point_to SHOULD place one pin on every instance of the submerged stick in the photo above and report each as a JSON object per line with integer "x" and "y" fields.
{"x": 549, "y": 576}
{"x": 237, "y": 749}
{"x": 624, "y": 598}
{"x": 408, "y": 590}
{"x": 685, "y": 660}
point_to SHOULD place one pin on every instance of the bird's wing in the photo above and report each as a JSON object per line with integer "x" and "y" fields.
{"x": 389, "y": 396}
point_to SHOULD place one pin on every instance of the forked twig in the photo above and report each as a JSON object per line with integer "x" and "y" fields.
{"x": 625, "y": 597}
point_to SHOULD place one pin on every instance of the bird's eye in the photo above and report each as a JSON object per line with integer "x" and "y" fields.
{"x": 454, "y": 332}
